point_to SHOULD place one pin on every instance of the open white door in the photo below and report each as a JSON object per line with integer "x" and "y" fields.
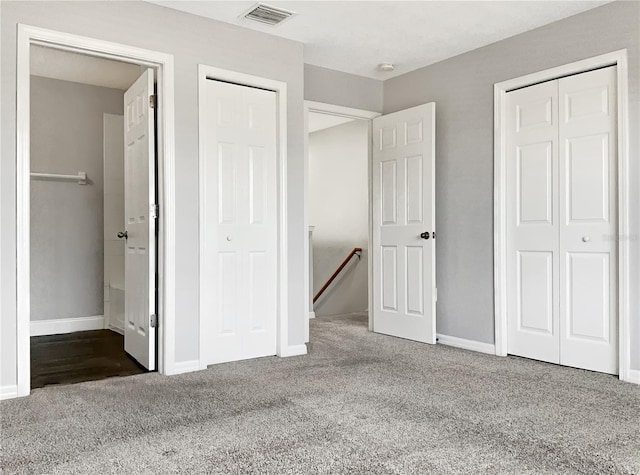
{"x": 404, "y": 224}
{"x": 140, "y": 222}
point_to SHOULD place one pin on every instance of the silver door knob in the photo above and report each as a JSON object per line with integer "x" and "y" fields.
{"x": 229, "y": 238}
{"x": 586, "y": 239}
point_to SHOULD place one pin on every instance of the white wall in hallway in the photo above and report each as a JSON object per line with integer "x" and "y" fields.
{"x": 67, "y": 218}
{"x": 338, "y": 208}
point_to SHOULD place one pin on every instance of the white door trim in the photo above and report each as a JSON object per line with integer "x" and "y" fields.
{"x": 619, "y": 59}
{"x": 341, "y": 111}
{"x": 28, "y": 35}
{"x": 280, "y": 88}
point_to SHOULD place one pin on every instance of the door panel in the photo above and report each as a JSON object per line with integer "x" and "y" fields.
{"x": 389, "y": 278}
{"x": 403, "y": 208}
{"x": 587, "y": 169}
{"x": 139, "y": 195}
{"x": 535, "y": 183}
{"x": 588, "y": 221}
{"x": 415, "y": 187}
{"x": 535, "y": 292}
{"x": 532, "y": 217}
{"x": 228, "y": 298}
{"x": 588, "y": 296}
{"x": 415, "y": 284}
{"x": 389, "y": 180}
{"x": 240, "y": 222}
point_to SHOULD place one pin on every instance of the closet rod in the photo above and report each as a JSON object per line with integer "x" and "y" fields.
{"x": 81, "y": 177}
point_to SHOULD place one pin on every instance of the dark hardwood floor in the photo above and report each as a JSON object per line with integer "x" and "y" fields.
{"x": 80, "y": 356}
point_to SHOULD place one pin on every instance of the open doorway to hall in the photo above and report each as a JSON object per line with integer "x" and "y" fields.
{"x": 80, "y": 187}
{"x": 338, "y": 149}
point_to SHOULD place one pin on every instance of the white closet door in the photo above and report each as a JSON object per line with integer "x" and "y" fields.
{"x": 403, "y": 208}
{"x": 240, "y": 222}
{"x": 139, "y": 195}
{"x": 588, "y": 221}
{"x": 561, "y": 232}
{"x": 532, "y": 217}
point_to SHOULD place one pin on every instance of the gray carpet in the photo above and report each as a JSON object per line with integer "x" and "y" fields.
{"x": 358, "y": 403}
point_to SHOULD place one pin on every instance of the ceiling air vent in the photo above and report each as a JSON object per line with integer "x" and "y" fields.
{"x": 267, "y": 14}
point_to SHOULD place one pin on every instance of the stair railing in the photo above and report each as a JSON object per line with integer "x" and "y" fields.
{"x": 357, "y": 251}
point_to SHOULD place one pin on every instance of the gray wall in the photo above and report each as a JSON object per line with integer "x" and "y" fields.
{"x": 67, "y": 218}
{"x": 339, "y": 210}
{"x": 342, "y": 89}
{"x": 462, "y": 88}
{"x": 191, "y": 40}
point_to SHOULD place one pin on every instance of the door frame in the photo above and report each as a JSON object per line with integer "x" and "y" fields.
{"x": 349, "y": 112}
{"x": 618, "y": 59}
{"x": 163, "y": 63}
{"x": 280, "y": 88}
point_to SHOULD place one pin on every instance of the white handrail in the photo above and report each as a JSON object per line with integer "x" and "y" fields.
{"x": 81, "y": 177}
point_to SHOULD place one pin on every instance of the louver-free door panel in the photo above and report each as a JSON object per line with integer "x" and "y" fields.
{"x": 140, "y": 225}
{"x": 588, "y": 221}
{"x": 532, "y": 207}
{"x": 403, "y": 209}
{"x": 240, "y": 222}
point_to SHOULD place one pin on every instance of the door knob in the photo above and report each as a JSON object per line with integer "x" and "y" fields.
{"x": 425, "y": 235}
{"x": 586, "y": 238}
{"x": 124, "y": 235}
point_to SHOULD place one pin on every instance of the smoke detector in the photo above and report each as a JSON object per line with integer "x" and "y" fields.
{"x": 267, "y": 14}
{"x": 386, "y": 67}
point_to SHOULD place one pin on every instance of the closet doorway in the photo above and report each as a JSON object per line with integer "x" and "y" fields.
{"x": 92, "y": 217}
{"x": 163, "y": 281}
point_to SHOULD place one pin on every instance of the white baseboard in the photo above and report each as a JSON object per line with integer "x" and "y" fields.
{"x": 312, "y": 314}
{"x": 467, "y": 344}
{"x": 633, "y": 376}
{"x": 66, "y": 325}
{"x": 8, "y": 392}
{"x": 116, "y": 329}
{"x": 185, "y": 367}
{"x": 293, "y": 350}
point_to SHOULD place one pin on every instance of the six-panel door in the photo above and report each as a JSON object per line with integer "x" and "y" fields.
{"x": 139, "y": 195}
{"x": 240, "y": 222}
{"x": 403, "y": 209}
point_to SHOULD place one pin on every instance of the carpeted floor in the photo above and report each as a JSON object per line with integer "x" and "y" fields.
{"x": 359, "y": 403}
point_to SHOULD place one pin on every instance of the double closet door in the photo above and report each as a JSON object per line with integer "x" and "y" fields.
{"x": 561, "y": 221}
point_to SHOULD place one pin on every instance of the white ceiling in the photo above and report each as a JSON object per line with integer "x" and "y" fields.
{"x": 66, "y": 66}
{"x": 355, "y": 36}
{"x": 319, "y": 121}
